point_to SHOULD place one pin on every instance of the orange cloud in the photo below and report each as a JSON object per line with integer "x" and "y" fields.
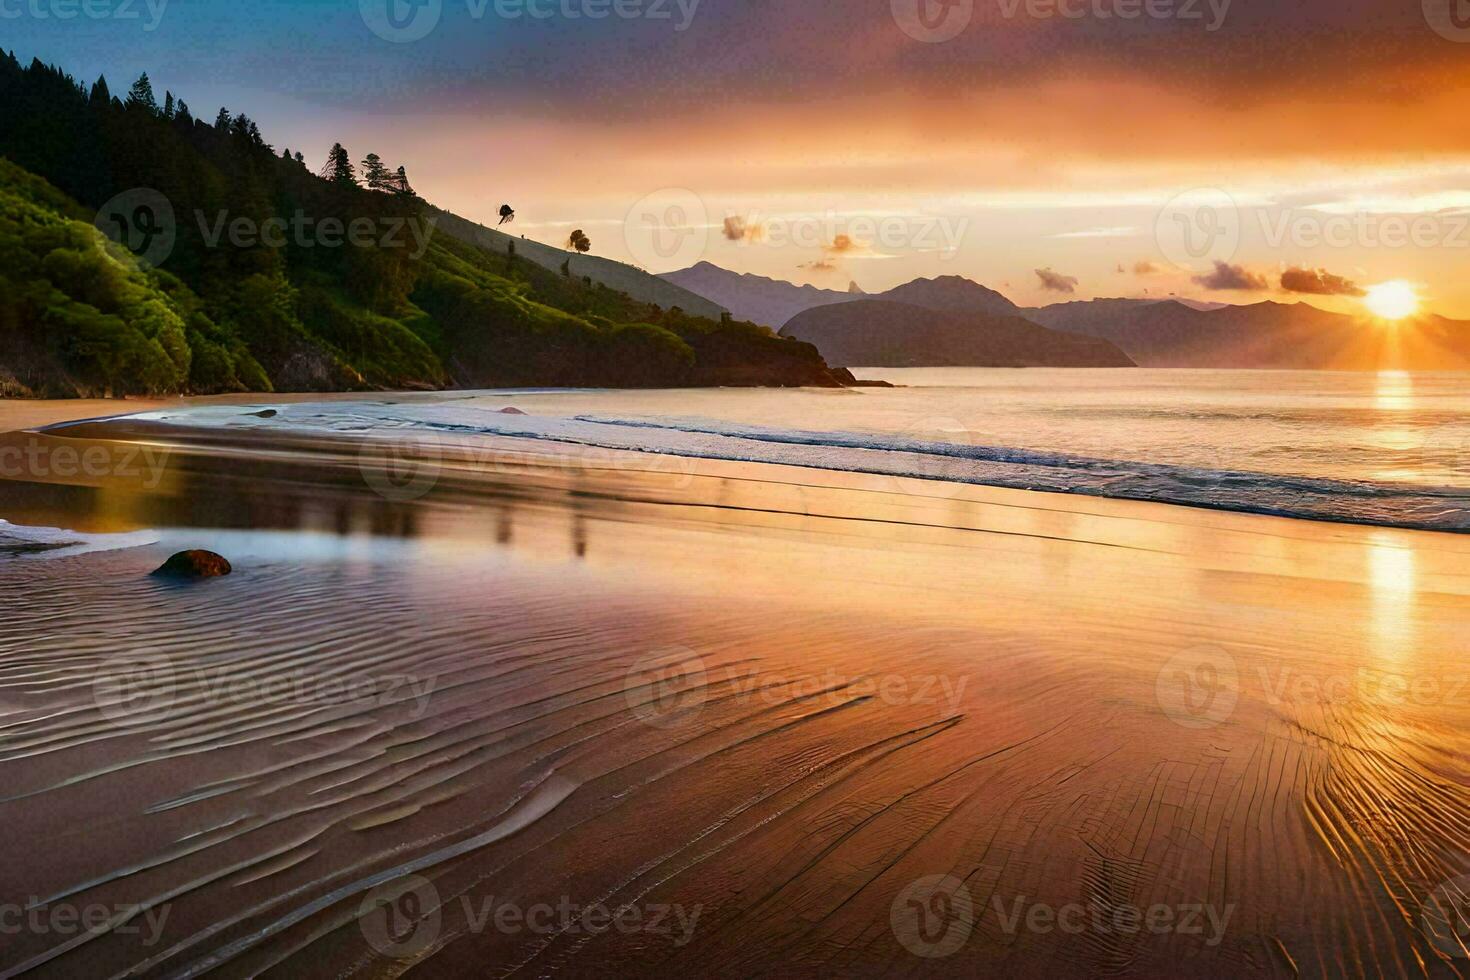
{"x": 1056, "y": 282}
{"x": 737, "y": 229}
{"x": 1319, "y": 282}
{"x": 1232, "y": 277}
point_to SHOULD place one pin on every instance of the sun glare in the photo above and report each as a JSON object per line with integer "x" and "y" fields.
{"x": 1392, "y": 300}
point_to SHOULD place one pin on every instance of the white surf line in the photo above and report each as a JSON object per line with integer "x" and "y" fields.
{"x": 55, "y": 426}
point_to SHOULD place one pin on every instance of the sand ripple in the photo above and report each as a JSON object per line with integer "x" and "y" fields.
{"x": 839, "y": 727}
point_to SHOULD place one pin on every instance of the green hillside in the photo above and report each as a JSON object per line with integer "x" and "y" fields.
{"x": 251, "y": 273}
{"x": 79, "y": 314}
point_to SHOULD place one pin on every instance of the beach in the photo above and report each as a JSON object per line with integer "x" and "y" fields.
{"x": 521, "y": 707}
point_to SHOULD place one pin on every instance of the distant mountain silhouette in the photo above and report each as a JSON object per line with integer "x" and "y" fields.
{"x": 880, "y": 333}
{"x": 775, "y": 301}
{"x": 1264, "y": 335}
{"x": 1153, "y": 333}
{"x": 770, "y": 302}
{"x": 1078, "y": 313}
{"x": 954, "y": 294}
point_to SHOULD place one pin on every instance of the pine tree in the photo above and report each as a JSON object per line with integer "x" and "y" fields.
{"x": 286, "y": 153}
{"x": 168, "y": 105}
{"x": 400, "y": 182}
{"x": 374, "y": 175}
{"x": 343, "y": 172}
{"x": 141, "y": 94}
{"x": 300, "y": 158}
{"x": 182, "y": 116}
{"x": 326, "y": 172}
{"x": 101, "y": 97}
{"x": 338, "y": 168}
{"x": 222, "y": 121}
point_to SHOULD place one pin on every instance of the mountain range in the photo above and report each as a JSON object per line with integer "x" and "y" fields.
{"x": 773, "y": 302}
{"x": 1151, "y": 332}
{"x": 883, "y": 333}
{"x": 1266, "y": 335}
{"x": 769, "y": 302}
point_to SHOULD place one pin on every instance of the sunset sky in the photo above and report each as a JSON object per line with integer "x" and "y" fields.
{"x": 1046, "y": 146}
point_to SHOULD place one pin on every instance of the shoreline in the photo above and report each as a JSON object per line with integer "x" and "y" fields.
{"x": 779, "y": 699}
{"x": 1443, "y": 510}
{"x": 184, "y": 476}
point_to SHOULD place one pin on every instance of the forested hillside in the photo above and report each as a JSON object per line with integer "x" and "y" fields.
{"x": 244, "y": 270}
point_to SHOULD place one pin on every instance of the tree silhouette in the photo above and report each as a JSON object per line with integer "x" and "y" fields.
{"x": 338, "y": 168}
{"x": 141, "y": 94}
{"x": 375, "y": 176}
{"x": 168, "y": 105}
{"x": 243, "y": 128}
{"x": 222, "y": 121}
{"x": 579, "y": 241}
{"x": 101, "y": 97}
{"x": 400, "y": 182}
{"x": 506, "y": 214}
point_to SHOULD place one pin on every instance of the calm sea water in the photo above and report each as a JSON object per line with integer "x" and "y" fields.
{"x": 1396, "y": 427}
{"x": 1391, "y": 448}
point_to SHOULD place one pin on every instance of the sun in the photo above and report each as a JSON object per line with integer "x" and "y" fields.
{"x": 1392, "y": 300}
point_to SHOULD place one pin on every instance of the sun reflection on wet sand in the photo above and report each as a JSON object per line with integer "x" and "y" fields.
{"x": 891, "y": 684}
{"x": 1391, "y": 570}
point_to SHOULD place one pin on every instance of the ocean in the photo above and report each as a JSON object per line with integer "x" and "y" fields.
{"x": 1389, "y": 449}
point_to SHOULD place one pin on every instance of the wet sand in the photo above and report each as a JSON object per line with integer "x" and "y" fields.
{"x": 757, "y": 720}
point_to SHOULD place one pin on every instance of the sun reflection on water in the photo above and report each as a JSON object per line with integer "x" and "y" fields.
{"x": 1394, "y": 432}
